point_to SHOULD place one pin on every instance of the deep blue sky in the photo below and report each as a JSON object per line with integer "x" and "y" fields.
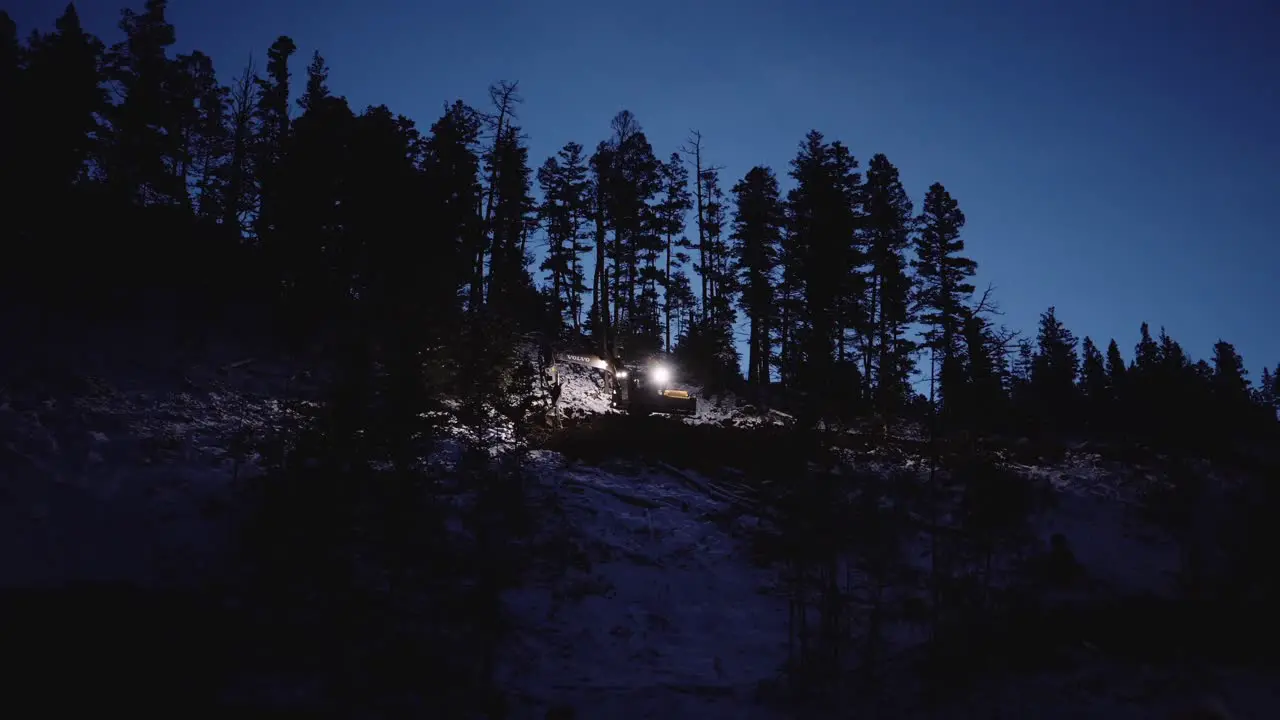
{"x": 1115, "y": 158}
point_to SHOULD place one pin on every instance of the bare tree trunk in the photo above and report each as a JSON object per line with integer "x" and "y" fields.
{"x": 665, "y": 301}
{"x": 601, "y": 325}
{"x": 504, "y": 98}
{"x": 694, "y": 147}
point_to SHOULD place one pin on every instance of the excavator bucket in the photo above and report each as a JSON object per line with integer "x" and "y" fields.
{"x": 669, "y": 402}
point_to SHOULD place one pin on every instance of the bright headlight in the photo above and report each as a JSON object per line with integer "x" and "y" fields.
{"x": 661, "y": 375}
{"x": 622, "y": 374}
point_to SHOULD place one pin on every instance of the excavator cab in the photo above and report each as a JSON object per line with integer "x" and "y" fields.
{"x": 639, "y": 389}
{"x": 642, "y": 390}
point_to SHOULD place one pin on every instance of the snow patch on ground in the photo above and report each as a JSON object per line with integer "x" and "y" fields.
{"x": 662, "y": 612}
{"x": 728, "y": 410}
{"x": 1097, "y": 508}
{"x": 107, "y": 484}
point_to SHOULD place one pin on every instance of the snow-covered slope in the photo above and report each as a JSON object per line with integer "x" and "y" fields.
{"x": 109, "y": 484}
{"x": 658, "y": 610}
{"x": 643, "y": 600}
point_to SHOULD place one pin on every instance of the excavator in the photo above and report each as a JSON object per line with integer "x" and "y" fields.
{"x": 637, "y": 388}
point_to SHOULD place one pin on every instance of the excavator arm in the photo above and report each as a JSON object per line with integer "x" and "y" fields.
{"x": 591, "y": 361}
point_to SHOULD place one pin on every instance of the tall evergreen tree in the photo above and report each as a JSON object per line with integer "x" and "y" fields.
{"x": 453, "y": 174}
{"x": 886, "y": 351}
{"x": 1268, "y": 393}
{"x": 670, "y": 214}
{"x": 61, "y": 129}
{"x": 564, "y": 211}
{"x": 821, "y": 230}
{"x": 272, "y": 117}
{"x": 147, "y": 153}
{"x": 1095, "y": 383}
{"x": 206, "y": 137}
{"x": 629, "y": 184}
{"x": 720, "y": 281}
{"x": 757, "y": 231}
{"x": 1054, "y": 370}
{"x": 1146, "y": 354}
{"x": 1229, "y": 375}
{"x": 851, "y": 312}
{"x": 317, "y": 88}
{"x": 1115, "y": 368}
{"x": 497, "y": 157}
{"x": 983, "y": 399}
{"x": 510, "y": 287}
{"x": 601, "y": 164}
{"x": 1232, "y": 395}
{"x": 942, "y": 276}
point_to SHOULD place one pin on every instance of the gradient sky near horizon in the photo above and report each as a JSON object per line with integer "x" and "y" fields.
{"x": 1117, "y": 159}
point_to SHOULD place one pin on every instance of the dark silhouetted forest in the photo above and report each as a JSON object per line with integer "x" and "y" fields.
{"x": 135, "y": 173}
{"x": 416, "y": 255}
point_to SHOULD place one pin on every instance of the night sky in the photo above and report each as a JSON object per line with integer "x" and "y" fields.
{"x": 1115, "y": 158}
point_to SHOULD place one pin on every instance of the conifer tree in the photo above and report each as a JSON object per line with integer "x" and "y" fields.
{"x": 1229, "y": 375}
{"x": 886, "y": 352}
{"x": 510, "y": 287}
{"x": 983, "y": 398}
{"x": 317, "y": 88}
{"x": 820, "y": 234}
{"x": 849, "y": 251}
{"x": 564, "y": 211}
{"x": 1268, "y": 393}
{"x": 147, "y": 152}
{"x": 205, "y": 131}
{"x": 757, "y": 230}
{"x": 628, "y": 184}
{"x": 272, "y": 121}
{"x": 942, "y": 276}
{"x": 1054, "y": 370}
{"x": 1146, "y": 354}
{"x": 61, "y": 122}
{"x": 670, "y": 215}
{"x": 1115, "y": 369}
{"x": 453, "y": 175}
{"x": 1231, "y": 392}
{"x": 497, "y": 156}
{"x": 1095, "y": 383}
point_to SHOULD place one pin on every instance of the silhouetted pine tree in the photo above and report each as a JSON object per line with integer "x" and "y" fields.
{"x": 824, "y": 216}
{"x": 887, "y": 353}
{"x": 1053, "y": 373}
{"x": 146, "y": 154}
{"x": 1268, "y": 393}
{"x": 205, "y": 134}
{"x": 510, "y": 289}
{"x": 942, "y": 276}
{"x": 983, "y": 402}
{"x": 271, "y": 118}
{"x": 1094, "y": 386}
{"x": 564, "y": 213}
{"x": 63, "y": 87}
{"x": 1231, "y": 392}
{"x": 1115, "y": 372}
{"x": 757, "y": 230}
{"x": 670, "y": 215}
